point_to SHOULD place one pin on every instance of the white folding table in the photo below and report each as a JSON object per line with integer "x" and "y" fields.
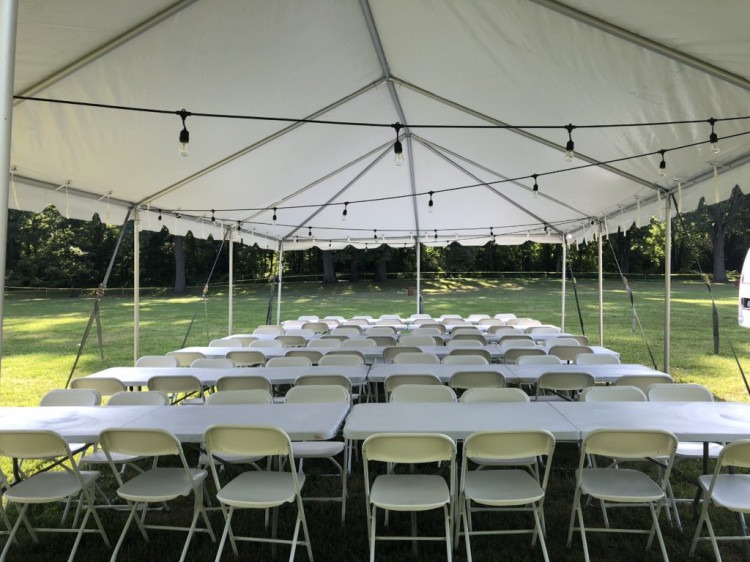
{"x": 609, "y": 373}
{"x": 379, "y": 372}
{"x": 372, "y": 354}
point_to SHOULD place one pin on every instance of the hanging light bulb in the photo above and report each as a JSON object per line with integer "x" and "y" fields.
{"x": 430, "y": 203}
{"x": 184, "y": 134}
{"x": 344, "y": 212}
{"x": 570, "y": 146}
{"x": 309, "y": 231}
{"x": 398, "y": 149}
{"x": 662, "y": 164}
{"x": 535, "y": 188}
{"x": 713, "y": 138}
{"x": 274, "y": 216}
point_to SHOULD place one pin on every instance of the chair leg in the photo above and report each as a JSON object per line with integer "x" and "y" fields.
{"x": 124, "y": 532}
{"x": 448, "y": 533}
{"x": 540, "y": 532}
{"x": 13, "y": 531}
{"x": 372, "y": 533}
{"x": 466, "y": 519}
{"x": 222, "y": 542}
{"x": 655, "y": 517}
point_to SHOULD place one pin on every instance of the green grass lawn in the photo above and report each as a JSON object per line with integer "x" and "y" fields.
{"x": 41, "y": 337}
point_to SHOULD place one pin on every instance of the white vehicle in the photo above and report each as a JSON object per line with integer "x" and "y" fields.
{"x": 744, "y": 303}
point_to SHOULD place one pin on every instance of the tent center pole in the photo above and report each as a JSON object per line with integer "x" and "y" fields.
{"x": 281, "y": 273}
{"x": 419, "y": 275}
{"x": 231, "y": 285}
{"x": 136, "y": 284}
{"x": 667, "y": 281}
{"x": 564, "y": 282}
{"x": 601, "y": 285}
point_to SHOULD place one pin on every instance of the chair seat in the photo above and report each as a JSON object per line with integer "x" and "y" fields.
{"x": 316, "y": 449}
{"x": 409, "y": 492}
{"x": 260, "y": 490}
{"x": 619, "y": 485}
{"x": 695, "y": 450}
{"x": 161, "y": 484}
{"x": 45, "y": 487}
{"x": 502, "y": 487}
{"x": 730, "y": 491}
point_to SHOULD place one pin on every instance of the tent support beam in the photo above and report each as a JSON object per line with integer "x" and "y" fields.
{"x": 281, "y": 273}
{"x": 646, "y": 43}
{"x": 521, "y": 132}
{"x": 667, "y": 281}
{"x": 108, "y": 47}
{"x": 8, "y": 18}
{"x": 564, "y": 282}
{"x": 600, "y": 252}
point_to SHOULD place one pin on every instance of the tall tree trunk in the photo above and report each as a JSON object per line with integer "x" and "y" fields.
{"x": 179, "y": 262}
{"x": 353, "y": 268}
{"x": 329, "y": 272}
{"x": 381, "y": 273}
{"x": 721, "y": 221}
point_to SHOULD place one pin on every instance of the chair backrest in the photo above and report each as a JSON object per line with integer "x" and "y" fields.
{"x": 632, "y": 444}
{"x": 242, "y": 341}
{"x": 682, "y": 392}
{"x": 339, "y": 338}
{"x": 504, "y": 329}
{"x": 612, "y": 393}
{"x": 213, "y": 363}
{"x": 390, "y": 353}
{"x": 439, "y": 326}
{"x": 255, "y": 396}
{"x": 141, "y": 398}
{"x": 542, "y": 330}
{"x": 562, "y": 341}
{"x": 569, "y": 352}
{"x": 313, "y": 355}
{"x": 336, "y": 380}
{"x": 141, "y": 443}
{"x": 477, "y": 317}
{"x": 226, "y": 342}
{"x": 389, "y": 322}
{"x": 525, "y": 322}
{"x": 509, "y": 445}
{"x": 564, "y": 381}
{"x": 334, "y": 317}
{"x": 642, "y": 381}
{"x": 185, "y": 358}
{"x": 490, "y": 322}
{"x": 308, "y": 318}
{"x": 582, "y": 340}
{"x": 383, "y": 341}
{"x": 505, "y": 394}
{"x": 288, "y": 362}
{"x": 414, "y": 341}
{"x": 464, "y": 360}
{"x": 247, "y": 358}
{"x": 477, "y": 352}
{"x": 505, "y": 316}
{"x": 538, "y": 360}
{"x": 291, "y": 341}
{"x": 355, "y": 322}
{"x": 34, "y": 444}
{"x": 292, "y": 324}
{"x": 105, "y": 386}
{"x": 157, "y": 361}
{"x": 247, "y": 441}
{"x": 735, "y": 454}
{"x": 466, "y": 330}
{"x": 466, "y": 341}
{"x": 453, "y": 321}
{"x": 423, "y": 393}
{"x": 317, "y": 393}
{"x": 317, "y": 327}
{"x": 419, "y": 358}
{"x": 346, "y": 331}
{"x": 597, "y": 359}
{"x": 381, "y": 331}
{"x": 516, "y": 339}
{"x": 327, "y": 342}
{"x": 307, "y": 334}
{"x": 179, "y": 387}
{"x": 477, "y": 379}
{"x": 269, "y": 330}
{"x": 242, "y": 382}
{"x": 345, "y": 359}
{"x": 71, "y": 397}
{"x": 425, "y": 332}
{"x": 364, "y": 342}
{"x": 512, "y": 354}
{"x": 419, "y": 316}
{"x": 394, "y": 381}
{"x": 412, "y": 448}
{"x": 266, "y": 343}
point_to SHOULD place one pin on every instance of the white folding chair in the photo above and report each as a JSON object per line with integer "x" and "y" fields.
{"x": 416, "y": 341}
{"x": 156, "y": 485}
{"x": 213, "y": 363}
{"x": 464, "y": 360}
{"x": 48, "y": 486}
{"x": 568, "y": 353}
{"x": 269, "y": 330}
{"x": 247, "y": 358}
{"x": 625, "y": 486}
{"x": 463, "y": 380}
{"x": 313, "y": 355}
{"x": 489, "y": 394}
{"x": 157, "y": 361}
{"x": 288, "y": 362}
{"x": 341, "y": 359}
{"x": 483, "y": 353}
{"x": 642, "y": 381}
{"x": 724, "y": 488}
{"x": 182, "y": 389}
{"x": 417, "y": 358}
{"x": 612, "y": 393}
{"x": 562, "y": 385}
{"x": 541, "y": 359}
{"x": 184, "y": 358}
{"x": 409, "y": 492}
{"x": 513, "y": 354}
{"x": 395, "y": 380}
{"x": 256, "y": 489}
{"x": 243, "y": 382}
{"x": 597, "y": 359}
{"x": 423, "y": 393}
{"x": 515, "y": 489}
{"x": 105, "y": 386}
{"x": 327, "y": 342}
{"x": 265, "y": 344}
{"x": 291, "y": 341}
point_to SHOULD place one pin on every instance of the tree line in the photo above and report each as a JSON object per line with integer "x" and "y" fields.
{"x": 48, "y": 250}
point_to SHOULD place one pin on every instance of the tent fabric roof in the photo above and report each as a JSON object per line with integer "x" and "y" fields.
{"x": 428, "y": 62}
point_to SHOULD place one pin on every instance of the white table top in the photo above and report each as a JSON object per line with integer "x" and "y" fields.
{"x": 138, "y": 376}
{"x": 602, "y": 373}
{"x": 74, "y": 423}
{"x": 456, "y": 419}
{"x": 301, "y": 421}
{"x": 371, "y": 354}
{"x": 379, "y": 372}
{"x": 689, "y": 421}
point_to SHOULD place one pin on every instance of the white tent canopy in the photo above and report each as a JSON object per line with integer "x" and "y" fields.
{"x": 429, "y": 62}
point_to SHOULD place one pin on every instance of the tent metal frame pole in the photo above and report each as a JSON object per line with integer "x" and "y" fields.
{"x": 136, "y": 284}
{"x": 280, "y": 276}
{"x": 667, "y": 282}
{"x": 419, "y": 273}
{"x": 8, "y": 18}
{"x": 564, "y": 283}
{"x": 230, "y": 291}
{"x": 600, "y": 250}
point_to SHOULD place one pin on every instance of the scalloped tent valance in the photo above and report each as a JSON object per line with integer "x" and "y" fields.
{"x": 437, "y": 62}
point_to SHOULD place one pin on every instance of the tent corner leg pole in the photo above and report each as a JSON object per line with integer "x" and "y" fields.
{"x": 231, "y": 286}
{"x": 419, "y": 276}
{"x": 281, "y": 273}
{"x": 601, "y": 285}
{"x": 136, "y": 284}
{"x": 667, "y": 282}
{"x": 564, "y": 283}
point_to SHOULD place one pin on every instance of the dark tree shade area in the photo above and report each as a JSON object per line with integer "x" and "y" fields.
{"x": 48, "y": 250}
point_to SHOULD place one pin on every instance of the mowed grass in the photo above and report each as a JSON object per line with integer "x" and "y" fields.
{"x": 41, "y": 337}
